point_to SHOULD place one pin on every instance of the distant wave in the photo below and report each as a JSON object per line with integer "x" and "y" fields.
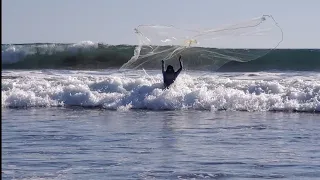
{"x": 89, "y": 55}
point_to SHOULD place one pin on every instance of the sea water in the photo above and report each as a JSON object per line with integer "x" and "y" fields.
{"x": 105, "y": 124}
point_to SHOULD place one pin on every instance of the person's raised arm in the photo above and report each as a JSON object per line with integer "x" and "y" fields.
{"x": 179, "y": 70}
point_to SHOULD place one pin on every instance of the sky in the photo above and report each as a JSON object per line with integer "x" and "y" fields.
{"x": 113, "y": 21}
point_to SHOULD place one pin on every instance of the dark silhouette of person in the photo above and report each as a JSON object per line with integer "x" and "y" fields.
{"x": 169, "y": 76}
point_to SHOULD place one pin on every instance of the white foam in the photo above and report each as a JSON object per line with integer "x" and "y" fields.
{"x": 83, "y": 45}
{"x": 119, "y": 91}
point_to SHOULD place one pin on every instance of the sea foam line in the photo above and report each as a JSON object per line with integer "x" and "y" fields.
{"x": 190, "y": 91}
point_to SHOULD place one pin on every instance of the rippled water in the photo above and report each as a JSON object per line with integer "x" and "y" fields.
{"x": 78, "y": 143}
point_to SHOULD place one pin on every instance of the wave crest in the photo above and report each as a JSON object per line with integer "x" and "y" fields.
{"x": 90, "y": 55}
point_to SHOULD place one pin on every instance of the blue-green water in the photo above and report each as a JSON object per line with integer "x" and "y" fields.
{"x": 77, "y": 143}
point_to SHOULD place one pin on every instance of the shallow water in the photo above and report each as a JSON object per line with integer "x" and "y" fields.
{"x": 78, "y": 143}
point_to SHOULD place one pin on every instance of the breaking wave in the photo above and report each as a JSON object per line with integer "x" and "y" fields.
{"x": 89, "y": 55}
{"x": 263, "y": 91}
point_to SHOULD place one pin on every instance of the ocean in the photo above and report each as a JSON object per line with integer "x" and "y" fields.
{"x": 68, "y": 112}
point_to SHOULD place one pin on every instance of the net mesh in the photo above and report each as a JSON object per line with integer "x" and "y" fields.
{"x": 206, "y": 49}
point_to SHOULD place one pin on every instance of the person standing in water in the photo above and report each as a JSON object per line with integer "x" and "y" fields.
{"x": 169, "y": 76}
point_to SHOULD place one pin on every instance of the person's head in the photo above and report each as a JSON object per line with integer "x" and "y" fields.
{"x": 170, "y": 69}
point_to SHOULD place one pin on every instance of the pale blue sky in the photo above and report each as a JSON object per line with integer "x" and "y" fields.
{"x": 113, "y": 21}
